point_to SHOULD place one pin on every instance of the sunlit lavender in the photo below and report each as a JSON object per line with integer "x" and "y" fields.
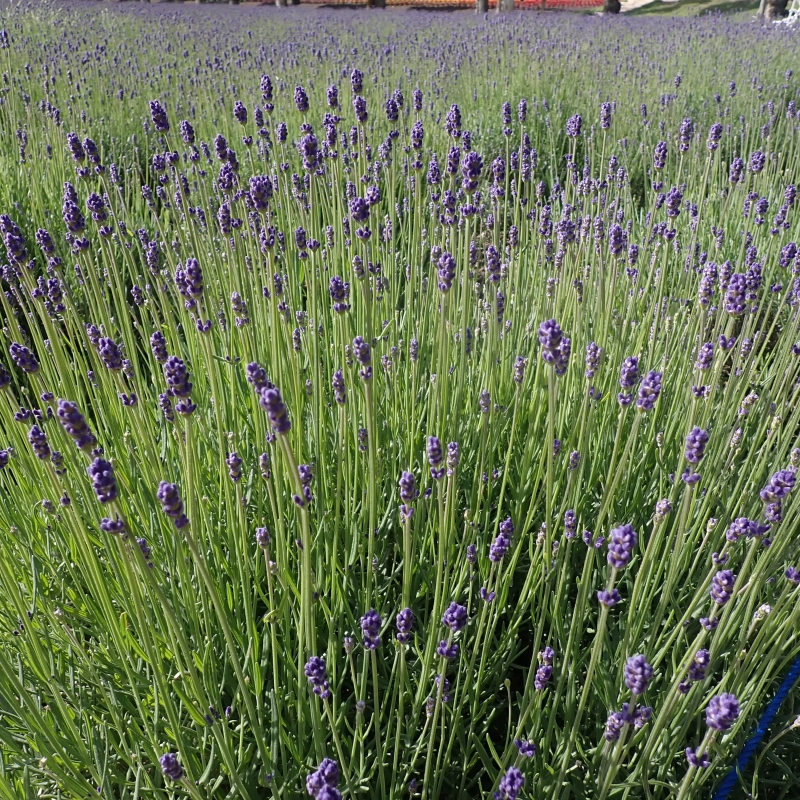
{"x": 394, "y": 404}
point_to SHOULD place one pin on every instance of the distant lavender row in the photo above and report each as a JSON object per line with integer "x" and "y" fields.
{"x": 391, "y": 409}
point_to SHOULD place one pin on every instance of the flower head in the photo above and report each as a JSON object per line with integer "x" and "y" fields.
{"x": 510, "y": 785}
{"x": 722, "y": 711}
{"x": 455, "y": 617}
{"x": 637, "y": 674}
{"x": 104, "y": 481}
{"x": 622, "y": 540}
{"x": 170, "y": 766}
{"x": 318, "y": 676}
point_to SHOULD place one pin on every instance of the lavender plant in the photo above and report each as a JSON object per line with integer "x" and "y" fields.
{"x": 328, "y": 357}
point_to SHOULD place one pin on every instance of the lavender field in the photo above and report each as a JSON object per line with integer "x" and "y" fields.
{"x": 396, "y": 405}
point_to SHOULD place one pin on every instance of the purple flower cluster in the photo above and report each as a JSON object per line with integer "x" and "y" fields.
{"x": 171, "y": 504}
{"x": 371, "y": 628}
{"x": 622, "y": 540}
{"x": 556, "y": 347}
{"x": 317, "y": 676}
{"x": 322, "y": 784}
{"x": 510, "y": 785}
{"x": 503, "y": 541}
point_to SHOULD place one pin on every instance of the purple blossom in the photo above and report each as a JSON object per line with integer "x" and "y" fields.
{"x": 622, "y": 540}
{"x": 103, "y": 479}
{"x": 171, "y": 504}
{"x": 272, "y": 402}
{"x": 722, "y": 711}
{"x": 722, "y": 586}
{"x": 318, "y": 676}
{"x": 170, "y": 766}
{"x": 510, "y": 785}
{"x": 637, "y": 674}
{"x": 455, "y": 617}
{"x": 371, "y": 627}
{"x": 404, "y": 622}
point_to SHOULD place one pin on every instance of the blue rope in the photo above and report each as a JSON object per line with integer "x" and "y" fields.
{"x": 754, "y": 741}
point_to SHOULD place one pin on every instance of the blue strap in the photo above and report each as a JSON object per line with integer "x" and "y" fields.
{"x": 764, "y": 723}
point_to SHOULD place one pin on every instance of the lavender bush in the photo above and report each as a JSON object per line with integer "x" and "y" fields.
{"x": 371, "y": 426}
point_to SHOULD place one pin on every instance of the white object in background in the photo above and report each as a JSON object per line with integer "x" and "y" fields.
{"x": 793, "y": 15}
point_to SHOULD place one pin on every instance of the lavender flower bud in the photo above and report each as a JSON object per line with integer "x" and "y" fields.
{"x": 370, "y": 627}
{"x": 722, "y": 586}
{"x": 171, "y": 504}
{"x": 404, "y": 623}
{"x": 272, "y": 402}
{"x": 38, "y": 442}
{"x": 649, "y": 391}
{"x": 637, "y": 674}
{"x": 23, "y": 358}
{"x": 696, "y": 443}
{"x": 435, "y": 457}
{"x": 262, "y": 537}
{"x": 455, "y": 617}
{"x": 74, "y": 425}
{"x": 318, "y": 676}
{"x": 170, "y": 766}
{"x": 510, "y": 785}
{"x": 104, "y": 482}
{"x": 621, "y": 544}
{"x": 609, "y": 597}
{"x": 722, "y": 711}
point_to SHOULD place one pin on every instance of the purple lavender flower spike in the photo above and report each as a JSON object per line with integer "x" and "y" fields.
{"x": 404, "y": 622}
{"x": 542, "y": 677}
{"x": 696, "y": 443}
{"x": 446, "y": 271}
{"x": 272, "y": 402}
{"x": 503, "y": 541}
{"x": 455, "y": 617}
{"x": 38, "y": 442}
{"x": 325, "y": 777}
{"x": 159, "y": 117}
{"x": 262, "y": 537}
{"x": 363, "y": 354}
{"x": 526, "y": 749}
{"x": 609, "y": 597}
{"x": 779, "y": 486}
{"x": 722, "y": 586}
{"x": 158, "y": 344}
{"x": 722, "y": 711}
{"x": 300, "y": 99}
{"x": 574, "y": 124}
{"x": 435, "y": 458}
{"x": 104, "y": 482}
{"x": 447, "y": 651}
{"x": 371, "y": 627}
{"x": 339, "y": 389}
{"x": 339, "y": 291}
{"x": 621, "y": 544}
{"x": 649, "y": 390}
{"x": 234, "y": 467}
{"x": 177, "y": 377}
{"x": 637, "y": 674}
{"x": 170, "y": 766}
{"x": 171, "y": 504}
{"x": 23, "y": 358}
{"x": 697, "y": 759}
{"x": 614, "y": 725}
{"x": 408, "y": 493}
{"x": 318, "y": 676}
{"x": 75, "y": 425}
{"x": 510, "y": 785}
